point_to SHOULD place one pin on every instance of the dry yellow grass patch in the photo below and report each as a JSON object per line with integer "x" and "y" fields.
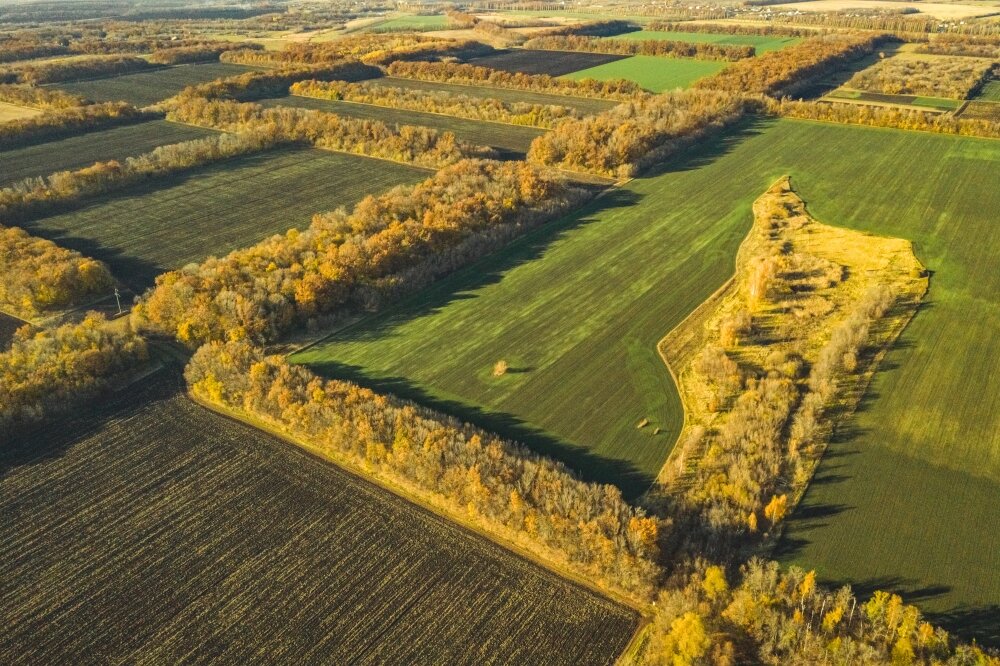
{"x": 9, "y": 112}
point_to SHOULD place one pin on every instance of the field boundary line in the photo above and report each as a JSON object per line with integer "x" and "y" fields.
{"x": 413, "y": 498}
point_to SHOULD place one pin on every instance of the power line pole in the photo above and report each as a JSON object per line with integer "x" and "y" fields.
{"x": 118, "y": 300}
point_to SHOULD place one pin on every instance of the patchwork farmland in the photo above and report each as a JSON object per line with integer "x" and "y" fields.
{"x": 149, "y": 229}
{"x": 653, "y": 73}
{"x": 145, "y": 88}
{"x": 256, "y": 548}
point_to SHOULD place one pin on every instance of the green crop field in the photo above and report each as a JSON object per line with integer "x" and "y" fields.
{"x": 511, "y": 140}
{"x": 414, "y": 22}
{"x": 990, "y": 92}
{"x": 146, "y": 88}
{"x": 157, "y": 532}
{"x": 582, "y": 104}
{"x": 653, "y": 73}
{"x": 173, "y": 221}
{"x": 577, "y": 309}
{"x": 762, "y": 43}
{"x": 85, "y": 149}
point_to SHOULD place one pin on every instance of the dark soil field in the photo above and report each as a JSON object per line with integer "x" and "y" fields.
{"x": 145, "y": 88}
{"x": 83, "y": 150}
{"x": 511, "y": 140}
{"x": 553, "y": 63}
{"x": 172, "y": 221}
{"x": 159, "y": 532}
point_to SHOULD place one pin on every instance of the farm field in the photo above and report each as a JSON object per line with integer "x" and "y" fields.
{"x": 553, "y": 63}
{"x": 989, "y": 92}
{"x": 82, "y": 150}
{"x": 511, "y": 140}
{"x": 159, "y": 532}
{"x": 577, "y": 314}
{"x": 145, "y": 88}
{"x": 413, "y": 22}
{"x": 10, "y": 112}
{"x": 941, "y": 10}
{"x": 582, "y": 104}
{"x": 982, "y": 111}
{"x": 762, "y": 43}
{"x": 882, "y": 99}
{"x": 654, "y": 73}
{"x": 149, "y": 229}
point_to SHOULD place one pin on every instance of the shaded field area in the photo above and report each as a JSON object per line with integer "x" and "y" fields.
{"x": 169, "y": 222}
{"x": 511, "y": 140}
{"x": 908, "y": 495}
{"x": 154, "y": 531}
{"x": 145, "y": 88}
{"x": 653, "y": 73}
{"x": 582, "y": 104}
{"x": 83, "y": 150}
{"x": 762, "y": 43}
{"x": 989, "y": 92}
{"x": 553, "y": 63}
{"x": 8, "y": 325}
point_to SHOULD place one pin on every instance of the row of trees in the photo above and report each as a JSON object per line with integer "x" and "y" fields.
{"x": 476, "y": 477}
{"x": 272, "y": 83}
{"x": 369, "y": 48}
{"x": 650, "y": 47}
{"x": 957, "y": 45}
{"x": 38, "y": 98}
{"x": 64, "y": 121}
{"x": 52, "y": 371}
{"x": 349, "y": 262}
{"x": 402, "y": 143}
{"x": 730, "y": 29}
{"x": 39, "y": 275}
{"x": 177, "y": 55}
{"x": 443, "y": 72}
{"x": 631, "y": 136}
{"x": 888, "y": 20}
{"x": 784, "y": 72}
{"x": 605, "y": 28}
{"x": 70, "y": 70}
{"x": 877, "y": 116}
{"x": 435, "y": 101}
{"x": 954, "y": 77}
{"x": 14, "y": 48}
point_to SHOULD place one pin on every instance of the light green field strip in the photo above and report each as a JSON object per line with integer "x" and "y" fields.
{"x": 762, "y": 43}
{"x": 990, "y": 92}
{"x": 654, "y": 73}
{"x": 436, "y": 22}
{"x": 577, "y": 311}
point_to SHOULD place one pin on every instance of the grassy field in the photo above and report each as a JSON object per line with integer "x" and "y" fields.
{"x": 578, "y": 308}
{"x": 414, "y": 22}
{"x": 159, "y": 532}
{"x": 513, "y": 141}
{"x": 990, "y": 92}
{"x": 653, "y": 73}
{"x": 85, "y": 149}
{"x": 762, "y": 43}
{"x": 173, "y": 221}
{"x": 582, "y": 104}
{"x": 146, "y": 88}
{"x": 553, "y": 63}
{"x": 10, "y": 112}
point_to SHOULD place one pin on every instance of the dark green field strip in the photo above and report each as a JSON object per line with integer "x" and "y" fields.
{"x": 158, "y": 532}
{"x": 8, "y": 325}
{"x": 513, "y": 141}
{"x": 582, "y": 104}
{"x": 553, "y": 63}
{"x": 173, "y": 221}
{"x": 990, "y": 92}
{"x": 83, "y": 150}
{"x": 145, "y": 88}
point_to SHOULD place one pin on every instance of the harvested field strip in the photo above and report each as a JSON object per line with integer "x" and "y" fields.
{"x": 654, "y": 73}
{"x": 158, "y": 532}
{"x": 553, "y": 63}
{"x": 10, "y": 112}
{"x": 762, "y": 43}
{"x": 83, "y": 150}
{"x": 511, "y": 140}
{"x": 582, "y": 104}
{"x": 145, "y": 88}
{"x": 167, "y": 223}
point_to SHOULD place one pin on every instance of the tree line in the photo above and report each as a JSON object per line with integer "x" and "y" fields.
{"x": 447, "y": 72}
{"x": 51, "y": 371}
{"x": 649, "y": 47}
{"x": 178, "y": 55}
{"x": 603, "y": 28}
{"x": 955, "y": 77}
{"x": 69, "y": 70}
{"x": 731, "y": 29}
{"x": 784, "y": 72}
{"x": 350, "y": 262}
{"x": 434, "y": 101}
{"x": 62, "y": 121}
{"x": 38, "y": 275}
{"x": 368, "y": 48}
{"x": 891, "y": 21}
{"x": 272, "y": 83}
{"x": 474, "y": 476}
{"x": 631, "y": 136}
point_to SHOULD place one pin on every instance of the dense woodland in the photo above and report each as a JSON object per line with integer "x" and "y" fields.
{"x": 388, "y": 245}
{"x": 783, "y": 72}
{"x": 444, "y": 102}
{"x": 72, "y": 70}
{"x": 497, "y": 485}
{"x": 650, "y": 47}
{"x": 38, "y": 275}
{"x": 442, "y": 72}
{"x": 954, "y": 77}
{"x": 621, "y": 141}
{"x": 51, "y": 371}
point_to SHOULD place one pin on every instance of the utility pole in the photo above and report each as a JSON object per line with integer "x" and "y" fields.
{"x": 118, "y": 300}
